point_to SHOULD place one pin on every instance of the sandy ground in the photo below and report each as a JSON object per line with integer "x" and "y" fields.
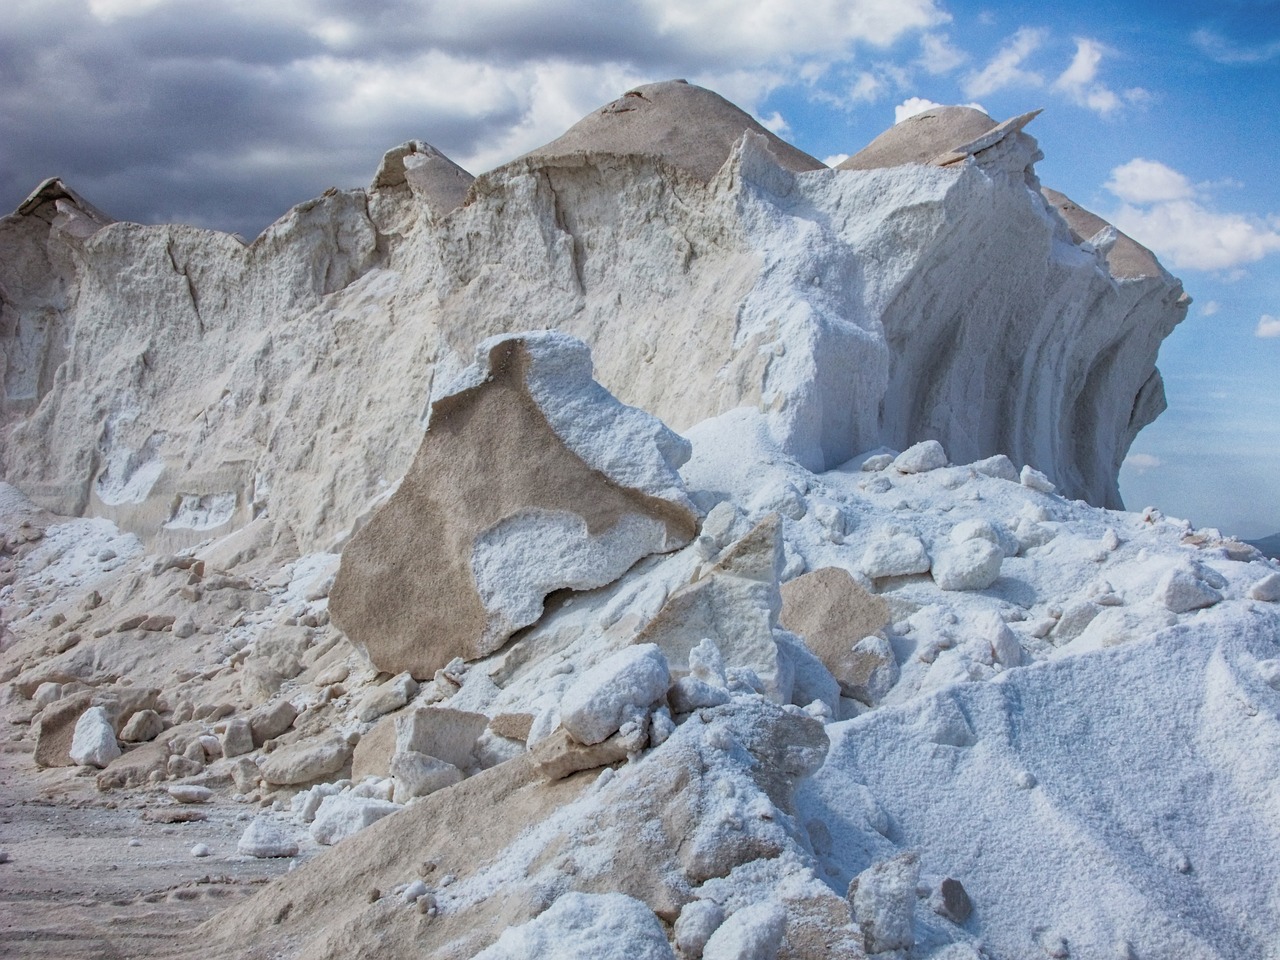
{"x": 74, "y": 886}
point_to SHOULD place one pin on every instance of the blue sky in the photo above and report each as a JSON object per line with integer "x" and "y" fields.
{"x": 1158, "y": 116}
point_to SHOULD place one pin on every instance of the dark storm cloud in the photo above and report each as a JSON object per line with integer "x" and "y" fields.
{"x": 226, "y": 114}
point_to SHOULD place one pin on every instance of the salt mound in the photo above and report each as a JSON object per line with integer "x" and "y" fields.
{"x": 688, "y": 126}
{"x": 921, "y": 138}
{"x": 780, "y": 633}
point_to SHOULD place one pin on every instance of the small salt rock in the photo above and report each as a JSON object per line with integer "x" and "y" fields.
{"x": 951, "y": 900}
{"x": 1111, "y": 540}
{"x": 201, "y": 850}
{"x": 1267, "y": 589}
{"x": 921, "y": 458}
{"x": 1033, "y": 479}
{"x": 698, "y": 920}
{"x": 1024, "y": 779}
{"x": 190, "y": 793}
{"x": 413, "y": 891}
{"x": 4, "y": 856}
{"x": 135, "y": 842}
{"x": 881, "y": 461}
{"x": 264, "y": 839}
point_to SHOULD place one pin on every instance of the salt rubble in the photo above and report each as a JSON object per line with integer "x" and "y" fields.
{"x": 1065, "y": 713}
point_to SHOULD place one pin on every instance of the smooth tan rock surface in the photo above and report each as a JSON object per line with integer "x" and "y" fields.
{"x": 433, "y": 575}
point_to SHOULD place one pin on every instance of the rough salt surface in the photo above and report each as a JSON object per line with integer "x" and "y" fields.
{"x": 582, "y": 926}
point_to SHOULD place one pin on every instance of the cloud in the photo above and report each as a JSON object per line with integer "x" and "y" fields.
{"x": 1079, "y": 82}
{"x": 1148, "y": 181}
{"x": 1210, "y": 308}
{"x": 915, "y": 105}
{"x": 835, "y": 159}
{"x": 1142, "y": 462}
{"x": 938, "y": 56}
{"x": 227, "y": 114}
{"x": 1224, "y": 51}
{"x": 1162, "y": 209}
{"x": 1005, "y": 68}
{"x": 1268, "y": 327}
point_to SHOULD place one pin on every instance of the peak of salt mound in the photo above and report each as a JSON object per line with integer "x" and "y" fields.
{"x": 688, "y": 126}
{"x": 921, "y": 138}
{"x": 1126, "y": 258}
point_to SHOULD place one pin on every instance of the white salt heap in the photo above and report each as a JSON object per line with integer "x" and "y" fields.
{"x": 841, "y": 670}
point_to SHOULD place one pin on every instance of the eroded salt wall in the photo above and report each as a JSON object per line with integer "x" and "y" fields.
{"x": 185, "y": 382}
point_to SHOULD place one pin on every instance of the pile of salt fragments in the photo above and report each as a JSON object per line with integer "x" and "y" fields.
{"x": 660, "y": 546}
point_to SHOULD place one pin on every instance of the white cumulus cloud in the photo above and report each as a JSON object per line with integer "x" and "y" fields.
{"x": 1268, "y": 327}
{"x": 1080, "y": 84}
{"x": 1148, "y": 181}
{"x": 1006, "y": 69}
{"x": 1164, "y": 210}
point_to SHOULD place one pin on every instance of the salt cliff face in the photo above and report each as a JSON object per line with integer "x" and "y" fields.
{"x": 181, "y": 382}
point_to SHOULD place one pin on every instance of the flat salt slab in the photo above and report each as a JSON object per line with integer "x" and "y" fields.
{"x": 190, "y": 793}
{"x": 594, "y": 707}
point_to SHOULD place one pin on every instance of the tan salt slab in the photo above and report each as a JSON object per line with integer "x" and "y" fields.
{"x": 407, "y": 587}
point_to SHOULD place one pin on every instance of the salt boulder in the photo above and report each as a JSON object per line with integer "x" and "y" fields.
{"x": 598, "y": 702}
{"x": 1267, "y": 589}
{"x": 237, "y": 738}
{"x": 417, "y": 774}
{"x": 921, "y": 458}
{"x": 735, "y": 604}
{"x": 94, "y": 741}
{"x": 883, "y": 898}
{"x": 752, "y": 933}
{"x": 305, "y": 761}
{"x": 530, "y": 478}
{"x": 265, "y": 839}
{"x": 971, "y": 565}
{"x": 441, "y": 732}
{"x": 143, "y": 727}
{"x": 344, "y": 815}
{"x": 1183, "y": 589}
{"x": 271, "y": 720}
{"x": 698, "y": 920}
{"x": 894, "y": 554}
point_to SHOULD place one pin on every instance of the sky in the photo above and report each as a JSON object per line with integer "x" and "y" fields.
{"x": 1159, "y": 116}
